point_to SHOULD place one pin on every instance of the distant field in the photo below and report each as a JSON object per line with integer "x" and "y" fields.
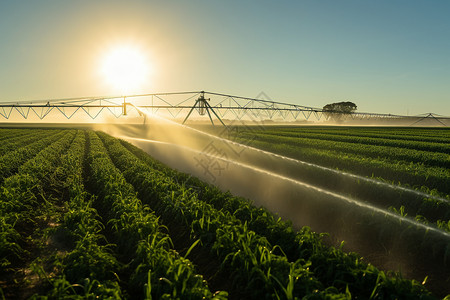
{"x": 83, "y": 213}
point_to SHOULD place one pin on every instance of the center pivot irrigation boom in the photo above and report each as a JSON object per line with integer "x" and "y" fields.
{"x": 203, "y": 106}
{"x": 179, "y": 104}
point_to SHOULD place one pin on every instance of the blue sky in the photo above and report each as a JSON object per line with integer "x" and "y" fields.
{"x": 386, "y": 56}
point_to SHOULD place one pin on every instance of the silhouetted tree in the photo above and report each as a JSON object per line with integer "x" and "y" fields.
{"x": 338, "y": 109}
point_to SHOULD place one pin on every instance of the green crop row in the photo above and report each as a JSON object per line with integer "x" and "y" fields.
{"x": 10, "y": 162}
{"x": 248, "y": 256}
{"x": 22, "y": 196}
{"x": 381, "y": 134}
{"x": 408, "y": 131}
{"x": 416, "y": 205}
{"x": 359, "y": 147}
{"x": 248, "y": 260}
{"x": 85, "y": 268}
{"x": 414, "y": 174}
{"x": 155, "y": 268}
{"x": 51, "y": 176}
{"x": 10, "y": 135}
{"x": 88, "y": 267}
{"x": 21, "y": 140}
{"x": 140, "y": 264}
{"x": 407, "y": 146}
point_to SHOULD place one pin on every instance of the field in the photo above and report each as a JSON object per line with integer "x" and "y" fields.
{"x": 408, "y": 157}
{"x": 86, "y": 215}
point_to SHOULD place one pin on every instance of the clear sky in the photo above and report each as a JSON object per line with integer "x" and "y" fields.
{"x": 387, "y": 56}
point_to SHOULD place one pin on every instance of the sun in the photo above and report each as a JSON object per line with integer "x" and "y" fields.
{"x": 125, "y": 68}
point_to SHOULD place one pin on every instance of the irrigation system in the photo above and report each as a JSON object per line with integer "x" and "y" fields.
{"x": 182, "y": 105}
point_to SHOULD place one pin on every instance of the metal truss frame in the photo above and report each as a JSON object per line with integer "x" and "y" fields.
{"x": 221, "y": 105}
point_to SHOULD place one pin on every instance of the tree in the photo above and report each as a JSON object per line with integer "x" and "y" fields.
{"x": 338, "y": 109}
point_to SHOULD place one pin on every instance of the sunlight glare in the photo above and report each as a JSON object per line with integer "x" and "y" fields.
{"x": 126, "y": 69}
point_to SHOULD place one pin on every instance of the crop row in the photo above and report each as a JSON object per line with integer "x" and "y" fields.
{"x": 400, "y": 144}
{"x": 22, "y": 138}
{"x": 10, "y": 135}
{"x": 10, "y": 162}
{"x": 421, "y": 131}
{"x": 394, "y": 134}
{"x": 413, "y": 174}
{"x": 425, "y": 209}
{"x": 24, "y": 201}
{"x": 87, "y": 267}
{"x": 83, "y": 268}
{"x": 258, "y": 267}
{"x": 246, "y": 258}
{"x": 51, "y": 192}
{"x": 362, "y": 148}
{"x": 396, "y": 131}
{"x": 140, "y": 238}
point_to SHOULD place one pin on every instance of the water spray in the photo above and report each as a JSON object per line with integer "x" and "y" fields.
{"x": 328, "y": 193}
